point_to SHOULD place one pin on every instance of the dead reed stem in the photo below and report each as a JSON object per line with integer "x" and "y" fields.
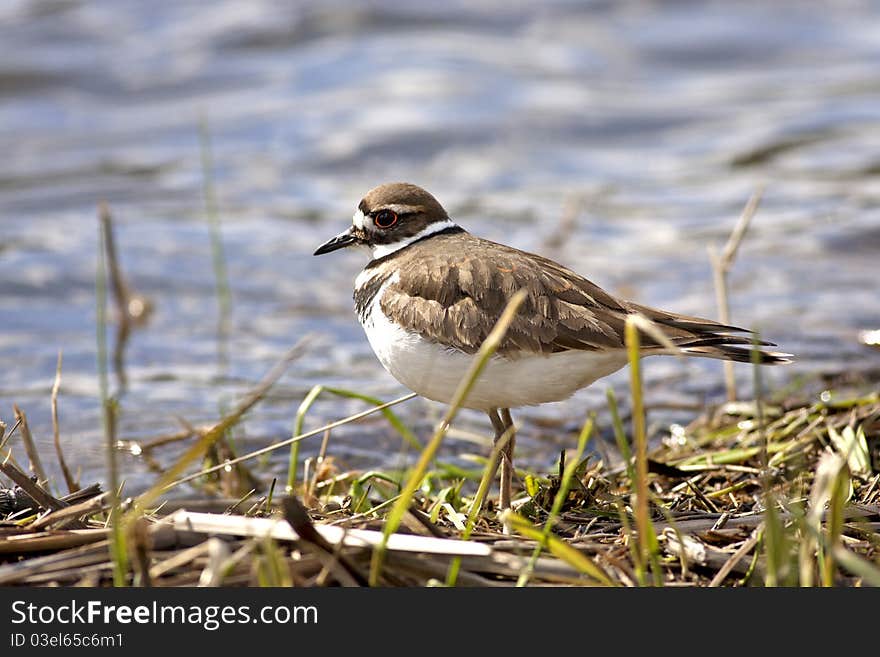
{"x": 72, "y": 485}
{"x": 721, "y": 266}
{"x": 29, "y": 447}
{"x": 39, "y": 494}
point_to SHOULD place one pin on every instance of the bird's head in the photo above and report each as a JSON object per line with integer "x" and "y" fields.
{"x": 390, "y": 217}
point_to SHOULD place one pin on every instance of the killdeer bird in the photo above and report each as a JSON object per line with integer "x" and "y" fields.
{"x": 432, "y": 293}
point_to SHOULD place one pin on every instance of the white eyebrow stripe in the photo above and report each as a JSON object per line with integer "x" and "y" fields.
{"x": 358, "y": 219}
{"x": 401, "y": 209}
{"x": 382, "y": 250}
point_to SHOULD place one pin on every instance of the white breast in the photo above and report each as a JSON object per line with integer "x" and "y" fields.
{"x": 435, "y": 372}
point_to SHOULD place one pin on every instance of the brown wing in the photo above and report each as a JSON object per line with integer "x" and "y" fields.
{"x": 453, "y": 289}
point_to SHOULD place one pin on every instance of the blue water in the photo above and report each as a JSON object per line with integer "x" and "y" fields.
{"x": 660, "y": 119}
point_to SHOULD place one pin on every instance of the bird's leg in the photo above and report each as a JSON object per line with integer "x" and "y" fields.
{"x": 507, "y": 459}
{"x": 499, "y": 427}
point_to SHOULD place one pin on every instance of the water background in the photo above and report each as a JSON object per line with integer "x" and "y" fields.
{"x": 658, "y": 119}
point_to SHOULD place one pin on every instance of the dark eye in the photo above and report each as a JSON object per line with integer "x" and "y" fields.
{"x": 385, "y": 219}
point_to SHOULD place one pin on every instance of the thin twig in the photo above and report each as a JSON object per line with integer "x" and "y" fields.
{"x": 212, "y": 434}
{"x": 140, "y": 546}
{"x": 297, "y": 517}
{"x": 131, "y": 308}
{"x": 735, "y": 558}
{"x": 39, "y": 494}
{"x": 62, "y": 517}
{"x": 118, "y": 286}
{"x": 572, "y": 209}
{"x": 721, "y": 265}
{"x": 322, "y": 454}
{"x": 285, "y": 443}
{"x": 167, "y": 439}
{"x": 8, "y": 434}
{"x": 72, "y": 486}
{"x": 29, "y": 446}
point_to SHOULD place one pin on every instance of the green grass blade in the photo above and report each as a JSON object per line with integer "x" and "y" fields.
{"x": 557, "y": 547}
{"x": 646, "y": 537}
{"x": 293, "y": 464}
{"x": 853, "y": 446}
{"x": 306, "y": 404}
{"x": 620, "y": 434}
{"x": 108, "y": 416}
{"x": 558, "y": 501}
{"x": 840, "y": 490}
{"x": 389, "y": 415}
{"x": 859, "y": 566}
{"x": 479, "y": 498}
{"x": 218, "y": 255}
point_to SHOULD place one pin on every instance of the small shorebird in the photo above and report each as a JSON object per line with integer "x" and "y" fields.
{"x": 432, "y": 293}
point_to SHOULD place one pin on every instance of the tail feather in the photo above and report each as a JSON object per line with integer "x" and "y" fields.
{"x": 696, "y": 336}
{"x": 739, "y": 354}
{"x": 714, "y": 340}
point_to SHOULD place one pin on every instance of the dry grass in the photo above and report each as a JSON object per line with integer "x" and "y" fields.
{"x": 708, "y": 507}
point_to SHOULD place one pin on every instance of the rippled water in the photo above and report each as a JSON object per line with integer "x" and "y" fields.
{"x": 660, "y": 119}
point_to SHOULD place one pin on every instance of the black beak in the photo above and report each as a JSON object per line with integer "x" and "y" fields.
{"x": 339, "y": 242}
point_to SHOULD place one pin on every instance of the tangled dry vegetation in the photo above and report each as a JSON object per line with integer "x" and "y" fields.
{"x": 746, "y": 495}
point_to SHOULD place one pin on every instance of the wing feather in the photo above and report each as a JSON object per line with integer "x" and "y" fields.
{"x": 452, "y": 290}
